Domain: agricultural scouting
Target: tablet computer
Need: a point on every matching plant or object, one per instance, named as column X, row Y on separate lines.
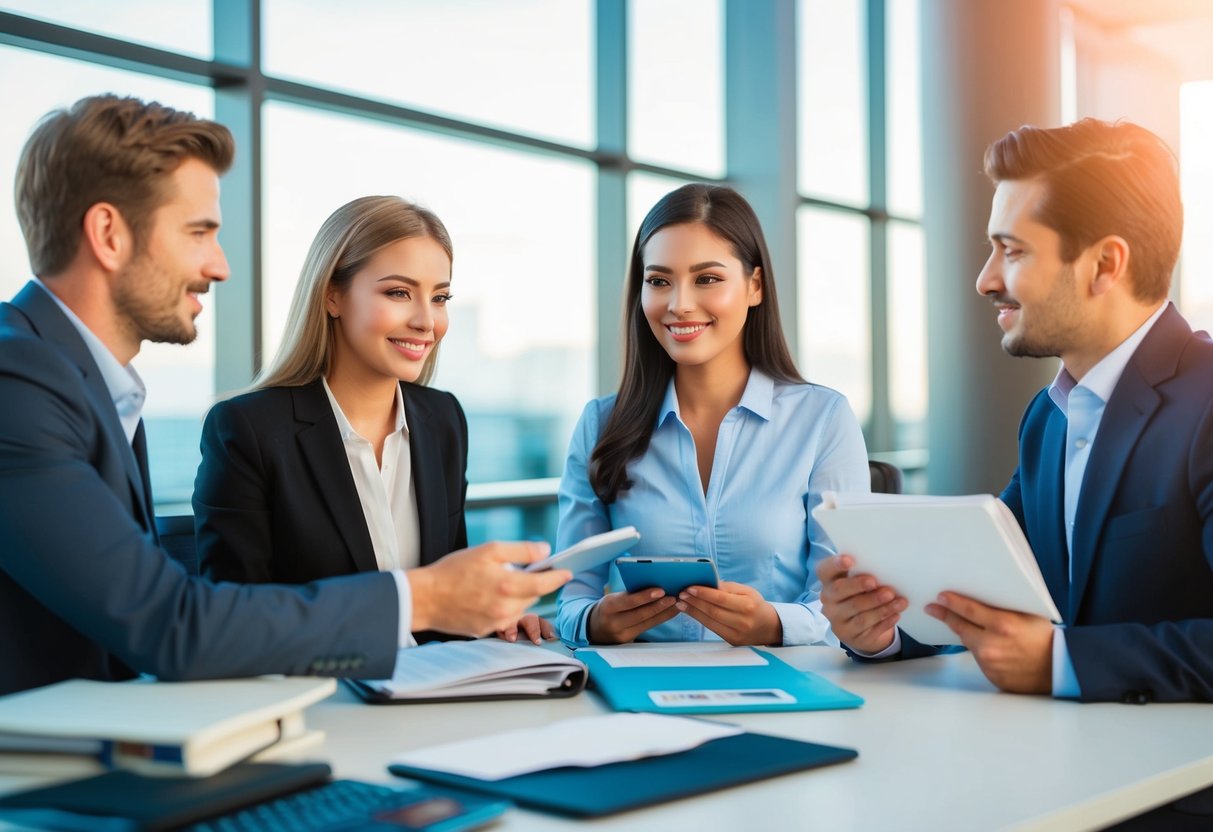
column 590, row 552
column 672, row 575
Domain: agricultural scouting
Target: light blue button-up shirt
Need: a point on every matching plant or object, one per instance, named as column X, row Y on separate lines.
column 1083, row 404
column 776, row 452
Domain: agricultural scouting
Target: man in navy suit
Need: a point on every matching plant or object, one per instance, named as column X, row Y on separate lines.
column 1114, row 488
column 119, row 204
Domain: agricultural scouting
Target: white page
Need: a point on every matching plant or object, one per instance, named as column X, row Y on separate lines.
column 586, row 741
column 441, row 667
column 682, row 656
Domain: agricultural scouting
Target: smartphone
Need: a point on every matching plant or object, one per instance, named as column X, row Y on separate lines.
column 672, row 575
column 589, row 552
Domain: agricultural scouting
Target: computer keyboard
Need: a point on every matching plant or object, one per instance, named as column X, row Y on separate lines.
column 350, row 804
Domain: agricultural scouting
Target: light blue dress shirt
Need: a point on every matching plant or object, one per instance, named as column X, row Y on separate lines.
column 776, row 452
column 1083, row 404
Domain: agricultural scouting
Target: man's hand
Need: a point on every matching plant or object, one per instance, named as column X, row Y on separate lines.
column 735, row 612
column 621, row 616
column 474, row 592
column 862, row 613
column 531, row 626
column 1013, row 649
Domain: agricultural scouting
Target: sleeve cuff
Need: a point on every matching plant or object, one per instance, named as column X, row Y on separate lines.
column 890, row 651
column 1065, row 680
column 804, row 624
column 404, row 635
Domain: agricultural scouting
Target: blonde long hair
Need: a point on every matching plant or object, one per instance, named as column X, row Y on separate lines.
column 347, row 240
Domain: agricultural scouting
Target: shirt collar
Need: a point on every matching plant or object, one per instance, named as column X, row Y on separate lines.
column 758, row 398
column 343, row 424
column 1101, row 379
column 125, row 387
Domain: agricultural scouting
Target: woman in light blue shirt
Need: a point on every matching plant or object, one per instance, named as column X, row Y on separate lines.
column 714, row 445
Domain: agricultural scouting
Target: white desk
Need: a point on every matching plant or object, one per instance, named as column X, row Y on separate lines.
column 939, row 749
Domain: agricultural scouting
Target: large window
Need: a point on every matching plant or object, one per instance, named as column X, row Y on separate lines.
column 861, row 274
column 541, row 131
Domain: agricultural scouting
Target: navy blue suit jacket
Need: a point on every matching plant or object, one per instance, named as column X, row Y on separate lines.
column 84, row 589
column 275, row 500
column 1139, row 610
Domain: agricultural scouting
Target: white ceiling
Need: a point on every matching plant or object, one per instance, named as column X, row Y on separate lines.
column 1180, row 29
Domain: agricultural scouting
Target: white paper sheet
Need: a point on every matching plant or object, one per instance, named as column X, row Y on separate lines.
column 682, row 656
column 586, row 741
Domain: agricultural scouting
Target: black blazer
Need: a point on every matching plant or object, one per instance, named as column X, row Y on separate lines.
column 274, row 499
column 84, row 589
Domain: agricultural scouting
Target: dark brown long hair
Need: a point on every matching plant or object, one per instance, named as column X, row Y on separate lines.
column 647, row 368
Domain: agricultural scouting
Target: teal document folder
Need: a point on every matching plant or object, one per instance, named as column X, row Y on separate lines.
column 771, row 686
column 615, row 787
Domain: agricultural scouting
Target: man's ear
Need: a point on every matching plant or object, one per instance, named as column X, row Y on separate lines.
column 1111, row 264
column 107, row 236
column 756, row 287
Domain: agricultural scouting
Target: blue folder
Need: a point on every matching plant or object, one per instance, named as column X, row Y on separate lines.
column 617, row 787
column 774, row 686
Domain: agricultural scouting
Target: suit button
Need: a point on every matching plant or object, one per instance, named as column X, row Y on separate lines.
column 1136, row 697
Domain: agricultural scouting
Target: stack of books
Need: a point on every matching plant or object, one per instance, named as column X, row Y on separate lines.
column 81, row 727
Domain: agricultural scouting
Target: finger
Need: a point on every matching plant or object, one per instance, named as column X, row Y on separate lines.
column 509, row 633
column 975, row 611
column 529, row 624
column 706, row 595
column 723, row 629
column 637, row 616
column 834, row 567
column 965, row 629
column 866, row 602
column 622, row 601
column 873, row 619
column 534, row 584
column 546, row 629
column 630, row 633
column 523, row 551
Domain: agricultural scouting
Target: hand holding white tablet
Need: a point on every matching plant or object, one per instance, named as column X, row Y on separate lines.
column 589, row 552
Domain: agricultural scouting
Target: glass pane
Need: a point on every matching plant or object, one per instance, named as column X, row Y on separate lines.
column 835, row 313
column 524, row 66
column 676, row 84
column 908, row 335
column 833, row 139
column 904, row 82
column 518, row 353
column 180, row 380
column 180, row 26
column 1196, row 174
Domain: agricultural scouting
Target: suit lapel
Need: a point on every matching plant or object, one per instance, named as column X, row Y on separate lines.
column 324, row 453
column 51, row 324
column 428, row 480
column 1132, row 404
column 1051, row 554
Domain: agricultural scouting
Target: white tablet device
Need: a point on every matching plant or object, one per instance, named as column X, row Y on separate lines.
column 590, row 552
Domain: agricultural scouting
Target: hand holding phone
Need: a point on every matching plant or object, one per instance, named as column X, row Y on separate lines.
column 589, row 552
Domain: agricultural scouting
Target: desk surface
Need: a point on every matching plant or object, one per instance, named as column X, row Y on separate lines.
column 939, row 749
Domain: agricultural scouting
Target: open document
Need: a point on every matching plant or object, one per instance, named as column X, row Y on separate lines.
column 922, row 546
column 476, row 670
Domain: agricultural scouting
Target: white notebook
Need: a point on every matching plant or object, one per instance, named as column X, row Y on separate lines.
column 922, row 546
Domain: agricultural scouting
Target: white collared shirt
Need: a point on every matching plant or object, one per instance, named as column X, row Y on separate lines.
column 125, row 387
column 389, row 501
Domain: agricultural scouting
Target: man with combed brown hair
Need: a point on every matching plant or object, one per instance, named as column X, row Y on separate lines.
column 119, row 203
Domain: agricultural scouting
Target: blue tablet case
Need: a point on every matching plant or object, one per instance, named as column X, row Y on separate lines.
column 616, row 787
column 630, row 688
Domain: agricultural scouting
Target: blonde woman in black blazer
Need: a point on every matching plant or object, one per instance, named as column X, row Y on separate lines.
column 287, row 490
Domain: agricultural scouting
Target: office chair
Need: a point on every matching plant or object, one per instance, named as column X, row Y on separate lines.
column 886, row 477
column 177, row 538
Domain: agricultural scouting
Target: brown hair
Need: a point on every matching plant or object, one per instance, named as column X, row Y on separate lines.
column 1101, row 179
column 647, row 367
column 105, row 149
column 345, row 242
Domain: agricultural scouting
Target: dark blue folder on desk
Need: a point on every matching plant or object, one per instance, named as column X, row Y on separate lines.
column 616, row 787
column 773, row 686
